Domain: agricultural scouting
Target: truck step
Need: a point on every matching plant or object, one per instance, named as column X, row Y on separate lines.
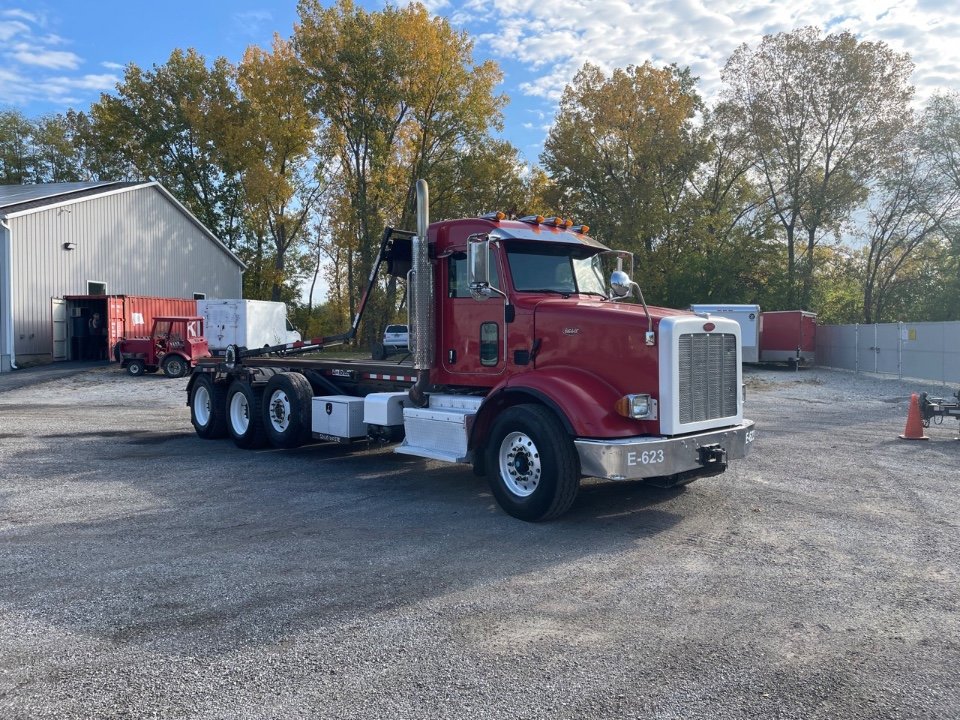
column 438, row 433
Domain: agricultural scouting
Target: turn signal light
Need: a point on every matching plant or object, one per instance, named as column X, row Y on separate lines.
column 634, row 406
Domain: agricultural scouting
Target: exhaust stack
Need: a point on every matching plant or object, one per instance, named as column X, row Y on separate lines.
column 421, row 300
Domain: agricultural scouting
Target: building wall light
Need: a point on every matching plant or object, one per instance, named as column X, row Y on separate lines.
column 69, row 245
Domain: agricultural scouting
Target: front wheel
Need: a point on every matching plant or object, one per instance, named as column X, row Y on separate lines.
column 174, row 366
column 136, row 367
column 532, row 465
column 244, row 416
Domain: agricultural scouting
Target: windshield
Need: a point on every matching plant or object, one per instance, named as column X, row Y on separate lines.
column 552, row 268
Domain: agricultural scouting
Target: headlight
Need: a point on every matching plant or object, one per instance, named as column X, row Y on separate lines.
column 640, row 405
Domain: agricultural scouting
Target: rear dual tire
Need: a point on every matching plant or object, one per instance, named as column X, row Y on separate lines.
column 245, row 415
column 287, row 400
column 208, row 408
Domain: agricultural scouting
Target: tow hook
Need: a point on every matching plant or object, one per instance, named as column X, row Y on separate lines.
column 712, row 456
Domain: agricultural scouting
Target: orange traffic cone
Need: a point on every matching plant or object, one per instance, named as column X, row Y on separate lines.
column 914, row 428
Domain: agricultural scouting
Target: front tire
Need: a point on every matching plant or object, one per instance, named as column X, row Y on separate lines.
column 531, row 464
column 245, row 415
column 286, row 410
column 136, row 367
column 208, row 408
column 174, row 366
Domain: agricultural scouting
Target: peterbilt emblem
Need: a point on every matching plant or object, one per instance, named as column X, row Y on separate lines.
column 709, row 327
column 571, row 331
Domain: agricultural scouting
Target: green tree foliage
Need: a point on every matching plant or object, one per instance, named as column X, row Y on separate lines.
column 909, row 208
column 822, row 114
column 939, row 142
column 166, row 124
column 16, row 133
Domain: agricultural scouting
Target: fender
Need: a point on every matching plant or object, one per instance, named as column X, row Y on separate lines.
column 583, row 402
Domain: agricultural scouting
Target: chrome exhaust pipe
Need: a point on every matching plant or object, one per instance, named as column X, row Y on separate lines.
column 421, row 300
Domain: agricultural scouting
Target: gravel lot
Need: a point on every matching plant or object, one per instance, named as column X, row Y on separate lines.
column 147, row 573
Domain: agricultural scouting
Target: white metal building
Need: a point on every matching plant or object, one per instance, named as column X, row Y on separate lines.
column 98, row 239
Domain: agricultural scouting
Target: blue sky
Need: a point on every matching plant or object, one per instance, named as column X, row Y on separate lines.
column 56, row 54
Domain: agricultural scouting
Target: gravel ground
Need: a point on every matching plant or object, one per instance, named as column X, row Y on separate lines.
column 147, row 573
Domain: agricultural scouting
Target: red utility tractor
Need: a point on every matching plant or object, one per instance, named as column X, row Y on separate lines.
column 175, row 344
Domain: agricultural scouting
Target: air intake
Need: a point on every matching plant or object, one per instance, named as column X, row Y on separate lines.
column 708, row 377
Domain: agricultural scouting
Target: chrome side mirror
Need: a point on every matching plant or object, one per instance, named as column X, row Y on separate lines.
column 620, row 283
column 478, row 266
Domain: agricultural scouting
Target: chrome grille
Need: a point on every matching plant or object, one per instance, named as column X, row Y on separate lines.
column 708, row 376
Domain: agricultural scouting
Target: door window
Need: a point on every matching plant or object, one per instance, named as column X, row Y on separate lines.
column 489, row 344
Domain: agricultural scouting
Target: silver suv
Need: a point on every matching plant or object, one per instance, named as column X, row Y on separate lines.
column 396, row 337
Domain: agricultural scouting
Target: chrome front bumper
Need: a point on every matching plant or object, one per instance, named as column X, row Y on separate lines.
column 647, row 457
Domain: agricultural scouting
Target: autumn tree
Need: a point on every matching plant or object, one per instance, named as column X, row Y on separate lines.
column 403, row 97
column 276, row 147
column 166, row 123
column 620, row 154
column 822, row 113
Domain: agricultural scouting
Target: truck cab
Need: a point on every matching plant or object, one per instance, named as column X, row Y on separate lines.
column 566, row 372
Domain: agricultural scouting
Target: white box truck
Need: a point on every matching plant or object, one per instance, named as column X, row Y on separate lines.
column 749, row 318
column 246, row 323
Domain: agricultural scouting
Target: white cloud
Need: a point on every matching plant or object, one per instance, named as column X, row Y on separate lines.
column 23, row 15
column 11, row 28
column 52, row 59
column 112, row 65
column 84, row 82
column 553, row 38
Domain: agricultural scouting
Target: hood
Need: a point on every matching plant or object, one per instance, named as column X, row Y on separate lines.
column 604, row 337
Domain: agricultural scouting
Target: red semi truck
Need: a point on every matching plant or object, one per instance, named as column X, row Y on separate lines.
column 524, row 363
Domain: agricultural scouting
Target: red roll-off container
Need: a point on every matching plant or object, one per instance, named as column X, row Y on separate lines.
column 788, row 336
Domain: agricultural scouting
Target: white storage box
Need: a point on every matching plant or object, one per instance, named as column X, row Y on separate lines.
column 384, row 409
column 338, row 418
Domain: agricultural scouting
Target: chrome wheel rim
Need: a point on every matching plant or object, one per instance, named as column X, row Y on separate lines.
column 239, row 413
column 279, row 411
column 520, row 466
column 202, row 409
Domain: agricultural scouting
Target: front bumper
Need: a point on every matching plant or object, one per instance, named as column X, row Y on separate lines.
column 647, row 457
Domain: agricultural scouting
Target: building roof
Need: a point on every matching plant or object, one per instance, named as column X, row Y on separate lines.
column 14, row 198
column 22, row 199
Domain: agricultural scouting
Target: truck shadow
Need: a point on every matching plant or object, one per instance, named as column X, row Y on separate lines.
column 201, row 552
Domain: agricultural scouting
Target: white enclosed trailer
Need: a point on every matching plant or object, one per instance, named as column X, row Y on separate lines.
column 245, row 323
column 748, row 316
